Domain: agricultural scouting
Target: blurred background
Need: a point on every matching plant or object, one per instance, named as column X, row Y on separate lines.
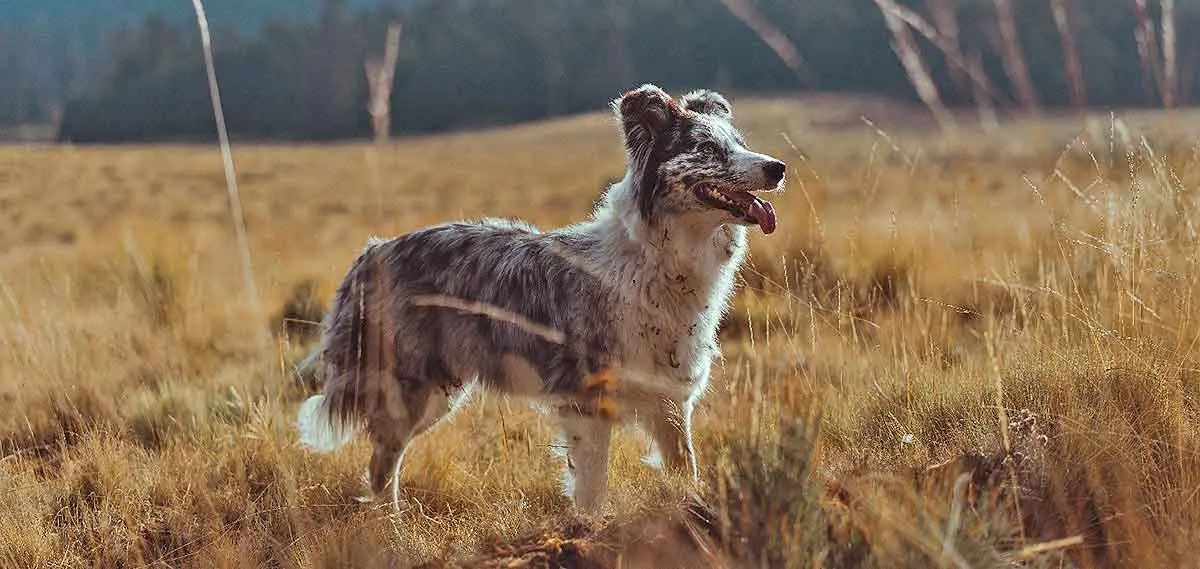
column 132, row 70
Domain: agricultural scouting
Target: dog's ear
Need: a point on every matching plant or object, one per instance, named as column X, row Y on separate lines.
column 646, row 114
column 709, row 103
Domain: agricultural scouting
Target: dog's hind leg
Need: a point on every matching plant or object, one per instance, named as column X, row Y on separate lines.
column 385, row 464
column 586, row 477
column 411, row 409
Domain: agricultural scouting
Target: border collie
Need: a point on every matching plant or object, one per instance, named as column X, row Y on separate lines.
column 611, row 320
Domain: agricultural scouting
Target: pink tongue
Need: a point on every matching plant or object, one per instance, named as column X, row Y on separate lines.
column 764, row 213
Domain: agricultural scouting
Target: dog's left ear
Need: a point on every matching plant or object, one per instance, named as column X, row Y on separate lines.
column 647, row 115
column 709, row 103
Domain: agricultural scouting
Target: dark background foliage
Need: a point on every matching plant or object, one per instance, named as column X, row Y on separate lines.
column 128, row 70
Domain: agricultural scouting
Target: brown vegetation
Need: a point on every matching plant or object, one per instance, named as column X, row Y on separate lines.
column 980, row 355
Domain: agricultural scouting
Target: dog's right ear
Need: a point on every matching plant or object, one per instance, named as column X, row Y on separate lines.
column 646, row 115
column 709, row 103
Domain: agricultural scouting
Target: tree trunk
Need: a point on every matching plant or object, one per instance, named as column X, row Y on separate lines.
column 983, row 101
column 1147, row 45
column 783, row 47
column 380, row 78
column 946, row 21
column 906, row 49
column 1170, row 65
column 1075, row 82
column 1014, row 59
column 952, row 53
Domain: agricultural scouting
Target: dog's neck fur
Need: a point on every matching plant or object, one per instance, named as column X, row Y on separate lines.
column 675, row 274
column 695, row 246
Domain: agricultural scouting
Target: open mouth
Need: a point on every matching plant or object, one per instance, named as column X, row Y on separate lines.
column 743, row 205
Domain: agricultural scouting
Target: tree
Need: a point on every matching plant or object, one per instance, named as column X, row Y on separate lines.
column 1170, row 58
column 1012, row 55
column 1075, row 81
column 480, row 62
column 783, row 47
column 380, row 74
column 906, row 49
column 946, row 22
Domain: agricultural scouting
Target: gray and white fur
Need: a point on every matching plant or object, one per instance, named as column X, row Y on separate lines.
column 607, row 321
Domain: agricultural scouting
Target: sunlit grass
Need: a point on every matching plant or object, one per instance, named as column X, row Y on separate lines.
column 912, row 285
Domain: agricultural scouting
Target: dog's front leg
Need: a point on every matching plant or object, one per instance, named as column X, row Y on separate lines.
column 586, row 476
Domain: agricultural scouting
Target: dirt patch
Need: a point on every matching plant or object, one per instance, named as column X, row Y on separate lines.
column 665, row 540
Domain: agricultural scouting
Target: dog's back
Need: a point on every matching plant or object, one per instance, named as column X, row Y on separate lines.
column 494, row 300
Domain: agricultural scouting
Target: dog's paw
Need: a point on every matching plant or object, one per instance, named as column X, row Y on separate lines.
column 397, row 504
column 593, row 513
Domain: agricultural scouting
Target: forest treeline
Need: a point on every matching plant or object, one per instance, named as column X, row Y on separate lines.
column 477, row 62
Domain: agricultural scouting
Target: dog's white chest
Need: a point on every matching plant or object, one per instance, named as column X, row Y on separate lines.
column 669, row 322
column 670, row 353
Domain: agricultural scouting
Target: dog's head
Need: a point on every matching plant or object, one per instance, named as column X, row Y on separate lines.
column 686, row 158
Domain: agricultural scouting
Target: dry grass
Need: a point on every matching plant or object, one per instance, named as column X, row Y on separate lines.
column 948, row 355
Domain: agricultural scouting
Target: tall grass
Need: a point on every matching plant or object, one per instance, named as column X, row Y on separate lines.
column 946, row 357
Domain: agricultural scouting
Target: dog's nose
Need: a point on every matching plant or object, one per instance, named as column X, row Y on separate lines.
column 774, row 170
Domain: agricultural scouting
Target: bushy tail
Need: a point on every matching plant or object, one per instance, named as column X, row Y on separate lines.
column 319, row 429
column 331, row 419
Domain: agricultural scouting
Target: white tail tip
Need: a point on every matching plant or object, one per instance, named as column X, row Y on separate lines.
column 318, row 430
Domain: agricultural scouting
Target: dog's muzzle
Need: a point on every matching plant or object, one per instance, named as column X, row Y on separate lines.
column 743, row 205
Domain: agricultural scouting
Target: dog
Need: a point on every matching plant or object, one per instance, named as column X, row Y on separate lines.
column 608, row 321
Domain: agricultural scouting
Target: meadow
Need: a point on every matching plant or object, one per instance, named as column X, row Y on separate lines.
column 976, row 351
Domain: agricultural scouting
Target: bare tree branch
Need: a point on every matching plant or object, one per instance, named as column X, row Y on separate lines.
column 235, row 200
column 951, row 51
column 380, row 77
column 771, row 35
column 906, row 49
column 1014, row 59
column 1075, row 83
column 983, row 103
column 946, row 21
column 1170, row 64
column 1147, row 45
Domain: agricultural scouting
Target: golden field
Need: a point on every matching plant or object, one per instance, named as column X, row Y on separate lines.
column 969, row 352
